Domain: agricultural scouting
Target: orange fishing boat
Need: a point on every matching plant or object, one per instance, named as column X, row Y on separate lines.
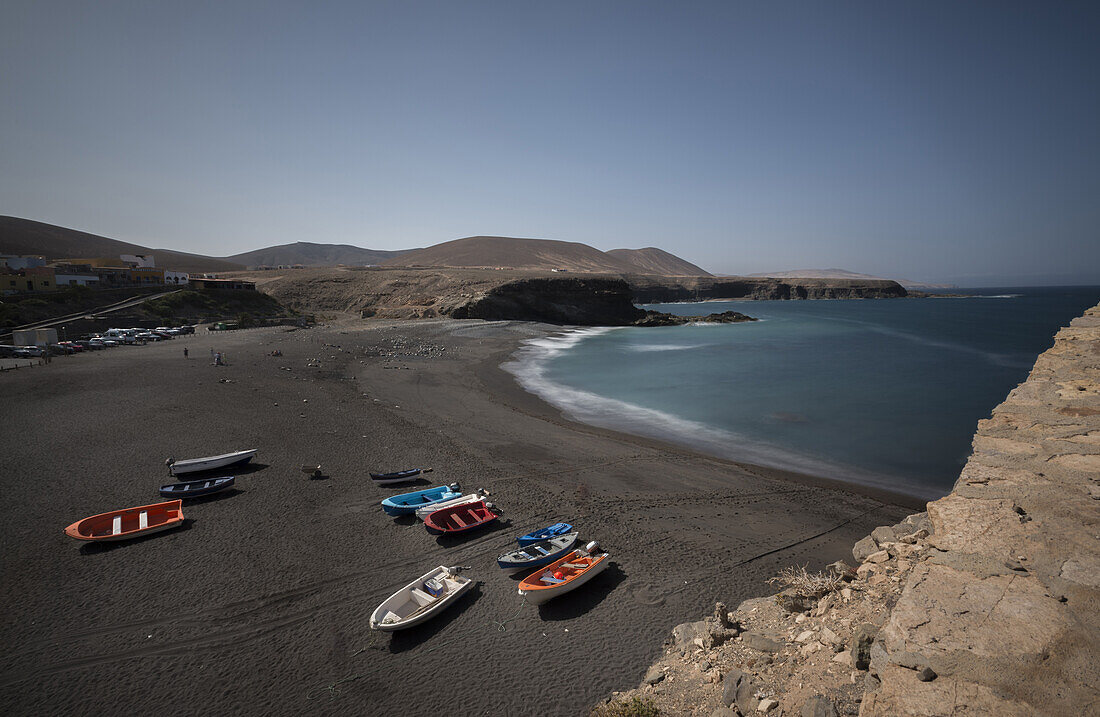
column 129, row 522
column 561, row 576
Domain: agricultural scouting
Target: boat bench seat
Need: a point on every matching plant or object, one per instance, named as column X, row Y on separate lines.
column 422, row 598
column 143, row 520
column 541, row 549
column 574, row 566
column 455, row 517
column 550, row 579
column 116, row 525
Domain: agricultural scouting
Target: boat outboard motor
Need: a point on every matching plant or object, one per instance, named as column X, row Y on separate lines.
column 592, row 547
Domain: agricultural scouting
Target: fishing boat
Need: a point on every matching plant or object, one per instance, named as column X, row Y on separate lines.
column 398, row 477
column 536, row 554
column 210, row 463
column 128, row 522
column 564, row 575
column 408, row 502
column 422, row 513
column 544, row 533
column 461, row 518
column 420, row 600
column 196, row 488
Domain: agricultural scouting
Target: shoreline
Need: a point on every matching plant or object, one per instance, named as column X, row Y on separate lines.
column 267, row 590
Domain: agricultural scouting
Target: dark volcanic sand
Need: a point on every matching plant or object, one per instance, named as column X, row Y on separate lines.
column 263, row 598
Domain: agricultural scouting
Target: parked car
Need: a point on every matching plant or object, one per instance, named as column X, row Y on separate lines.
column 149, row 336
column 88, row 345
column 29, row 351
column 186, row 329
column 7, row 350
column 59, row 350
column 163, row 334
column 73, row 345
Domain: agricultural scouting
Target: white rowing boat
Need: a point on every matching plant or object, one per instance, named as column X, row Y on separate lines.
column 427, row 510
column 194, row 465
column 420, row 600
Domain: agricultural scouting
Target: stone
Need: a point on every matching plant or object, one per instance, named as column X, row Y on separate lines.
column 846, row 593
column 871, row 682
column 840, row 569
column 818, row 706
column 926, row 675
column 864, row 548
column 862, row 640
column 829, row 636
column 740, row 690
column 878, row 557
column 791, row 601
column 767, row 705
column 804, row 636
column 722, row 615
column 759, row 642
column 653, row 676
column 723, row 712
column 843, row 658
column 865, row 570
column 883, row 534
column 704, row 665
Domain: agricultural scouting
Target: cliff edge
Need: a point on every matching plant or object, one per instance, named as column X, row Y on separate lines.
column 1005, row 607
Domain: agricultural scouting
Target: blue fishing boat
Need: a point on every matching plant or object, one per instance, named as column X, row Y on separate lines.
column 538, row 554
column 546, row 533
column 408, row 502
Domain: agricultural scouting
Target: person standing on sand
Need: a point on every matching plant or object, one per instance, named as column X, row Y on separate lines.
column 185, row 352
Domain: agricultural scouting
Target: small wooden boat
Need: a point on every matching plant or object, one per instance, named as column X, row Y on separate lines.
column 420, row 600
column 398, row 477
column 408, row 502
column 210, row 463
column 129, row 522
column 545, row 533
column 540, row 553
column 565, row 574
column 195, row 488
column 422, row 513
column 461, row 518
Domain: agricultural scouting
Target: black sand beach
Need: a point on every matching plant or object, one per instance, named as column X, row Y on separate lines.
column 262, row 600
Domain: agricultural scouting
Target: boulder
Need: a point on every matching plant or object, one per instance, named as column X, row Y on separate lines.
column 740, row 690
column 767, row 705
column 653, row 676
column 818, row 706
column 862, row 640
column 864, row 548
column 884, row 534
column 758, row 642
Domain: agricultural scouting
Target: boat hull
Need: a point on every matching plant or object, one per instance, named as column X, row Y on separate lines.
column 395, row 478
column 508, row 561
column 380, row 619
column 544, row 534
column 197, row 488
column 460, row 519
column 128, row 523
column 423, row 513
column 407, row 503
column 212, row 463
column 545, row 594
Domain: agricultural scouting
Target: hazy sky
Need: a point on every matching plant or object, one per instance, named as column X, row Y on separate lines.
column 927, row 140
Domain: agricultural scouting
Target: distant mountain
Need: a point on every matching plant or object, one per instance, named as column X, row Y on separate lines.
column 845, row 274
column 25, row 236
column 541, row 255
column 652, row 260
column 310, row 254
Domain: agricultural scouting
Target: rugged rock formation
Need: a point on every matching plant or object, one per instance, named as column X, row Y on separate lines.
column 584, row 301
column 653, row 290
column 985, row 605
column 1005, row 609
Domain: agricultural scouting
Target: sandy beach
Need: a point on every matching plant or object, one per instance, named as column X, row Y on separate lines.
column 260, row 603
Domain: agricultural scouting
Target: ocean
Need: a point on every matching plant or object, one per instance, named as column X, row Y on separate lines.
column 884, row 393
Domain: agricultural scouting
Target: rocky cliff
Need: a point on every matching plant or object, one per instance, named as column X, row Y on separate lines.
column 652, row 290
column 987, row 604
column 585, row 301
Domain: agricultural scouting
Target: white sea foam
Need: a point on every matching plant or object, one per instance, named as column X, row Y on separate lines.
column 664, row 347
column 529, row 366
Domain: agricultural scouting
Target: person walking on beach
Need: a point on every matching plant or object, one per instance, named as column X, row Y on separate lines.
column 185, row 352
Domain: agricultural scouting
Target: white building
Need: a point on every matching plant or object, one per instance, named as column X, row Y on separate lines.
column 74, row 279
column 175, row 278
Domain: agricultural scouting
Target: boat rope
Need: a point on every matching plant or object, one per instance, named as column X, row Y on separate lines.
column 333, row 689
column 502, row 625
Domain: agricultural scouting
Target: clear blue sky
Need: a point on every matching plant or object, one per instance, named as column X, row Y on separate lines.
column 930, row 140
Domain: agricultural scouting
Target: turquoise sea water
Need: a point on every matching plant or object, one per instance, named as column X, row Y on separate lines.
column 879, row 392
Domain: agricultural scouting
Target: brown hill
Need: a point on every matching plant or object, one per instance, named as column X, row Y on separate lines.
column 310, row 254
column 544, row 255
column 652, row 260
column 25, row 236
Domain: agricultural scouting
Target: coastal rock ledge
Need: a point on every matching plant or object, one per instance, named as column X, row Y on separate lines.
column 1005, row 607
column 987, row 604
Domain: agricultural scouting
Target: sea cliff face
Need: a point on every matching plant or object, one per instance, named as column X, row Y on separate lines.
column 582, row 301
column 988, row 603
column 653, row 290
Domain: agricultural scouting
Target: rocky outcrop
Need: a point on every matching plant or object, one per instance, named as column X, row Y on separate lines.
column 1002, row 614
column 653, row 290
column 582, row 301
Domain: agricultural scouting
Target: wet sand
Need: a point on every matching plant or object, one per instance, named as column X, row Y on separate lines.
column 261, row 602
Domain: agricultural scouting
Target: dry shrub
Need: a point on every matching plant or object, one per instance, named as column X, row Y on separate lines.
column 634, row 707
column 806, row 584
